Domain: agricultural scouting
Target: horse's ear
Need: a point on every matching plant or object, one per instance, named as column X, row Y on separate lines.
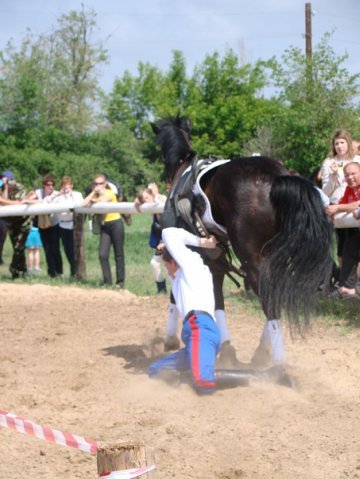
column 186, row 125
column 155, row 128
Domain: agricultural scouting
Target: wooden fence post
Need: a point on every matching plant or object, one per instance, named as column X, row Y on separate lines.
column 122, row 455
column 79, row 247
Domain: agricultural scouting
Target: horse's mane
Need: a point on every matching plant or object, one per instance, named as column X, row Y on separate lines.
column 173, row 137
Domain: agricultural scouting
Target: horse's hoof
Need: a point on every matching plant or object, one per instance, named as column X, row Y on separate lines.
column 285, row 380
column 172, row 343
column 227, row 356
column 278, row 375
column 261, row 358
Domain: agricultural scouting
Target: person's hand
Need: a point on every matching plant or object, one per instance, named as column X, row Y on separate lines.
column 26, row 201
column 334, row 167
column 356, row 213
column 160, row 246
column 210, row 242
column 154, row 188
column 331, row 210
column 137, row 204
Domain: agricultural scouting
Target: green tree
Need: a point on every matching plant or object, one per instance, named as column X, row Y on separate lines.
column 131, row 101
column 318, row 95
column 225, row 104
column 22, row 87
column 52, row 79
column 73, row 62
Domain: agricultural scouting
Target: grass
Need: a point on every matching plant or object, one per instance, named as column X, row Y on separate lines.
column 139, row 279
column 137, row 261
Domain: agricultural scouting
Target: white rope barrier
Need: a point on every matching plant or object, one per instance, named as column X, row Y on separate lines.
column 346, row 220
column 341, row 220
column 101, row 208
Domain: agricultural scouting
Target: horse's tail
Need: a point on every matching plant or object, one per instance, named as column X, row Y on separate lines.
column 298, row 260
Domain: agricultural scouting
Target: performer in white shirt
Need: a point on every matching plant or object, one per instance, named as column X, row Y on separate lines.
column 192, row 287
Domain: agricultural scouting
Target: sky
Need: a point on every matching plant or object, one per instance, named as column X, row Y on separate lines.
column 149, row 30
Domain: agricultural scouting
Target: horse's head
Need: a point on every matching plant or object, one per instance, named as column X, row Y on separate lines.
column 173, row 137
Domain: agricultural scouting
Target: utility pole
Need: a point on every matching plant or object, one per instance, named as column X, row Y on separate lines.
column 308, row 35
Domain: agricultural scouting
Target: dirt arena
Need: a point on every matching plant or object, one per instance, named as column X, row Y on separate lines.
column 75, row 360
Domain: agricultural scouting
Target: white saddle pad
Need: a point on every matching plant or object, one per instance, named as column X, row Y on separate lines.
column 211, row 225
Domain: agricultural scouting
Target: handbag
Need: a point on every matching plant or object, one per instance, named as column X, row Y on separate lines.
column 96, row 224
column 44, row 222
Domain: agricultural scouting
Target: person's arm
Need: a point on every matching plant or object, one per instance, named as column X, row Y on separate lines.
column 176, row 240
column 5, row 189
column 100, row 196
column 32, row 198
column 329, row 176
column 342, row 208
column 7, row 202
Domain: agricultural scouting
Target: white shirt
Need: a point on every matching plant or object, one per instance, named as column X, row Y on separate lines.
column 66, row 218
column 192, row 284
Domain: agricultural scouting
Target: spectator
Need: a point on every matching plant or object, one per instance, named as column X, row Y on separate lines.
column 111, row 232
column 33, row 245
column 13, row 193
column 349, row 203
column 49, row 227
column 66, row 223
column 151, row 195
column 333, row 181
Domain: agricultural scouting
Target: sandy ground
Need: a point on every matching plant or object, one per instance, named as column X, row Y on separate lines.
column 76, row 359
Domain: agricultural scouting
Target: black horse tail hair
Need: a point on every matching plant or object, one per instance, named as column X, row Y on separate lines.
column 297, row 262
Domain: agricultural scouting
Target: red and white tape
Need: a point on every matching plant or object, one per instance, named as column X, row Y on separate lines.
column 25, row 426
column 127, row 473
column 19, row 424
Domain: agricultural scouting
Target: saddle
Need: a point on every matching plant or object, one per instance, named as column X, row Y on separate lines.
column 187, row 206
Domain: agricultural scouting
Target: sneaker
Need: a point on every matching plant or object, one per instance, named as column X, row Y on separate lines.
column 37, row 270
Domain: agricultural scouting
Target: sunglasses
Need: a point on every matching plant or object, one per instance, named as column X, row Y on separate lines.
column 102, row 183
column 50, row 184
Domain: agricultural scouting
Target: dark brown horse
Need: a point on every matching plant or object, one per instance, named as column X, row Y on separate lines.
column 275, row 222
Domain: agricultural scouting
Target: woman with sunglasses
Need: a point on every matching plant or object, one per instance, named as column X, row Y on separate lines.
column 111, row 232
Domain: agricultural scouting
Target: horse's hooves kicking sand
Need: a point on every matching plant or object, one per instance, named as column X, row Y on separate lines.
column 228, row 378
column 172, row 343
column 261, row 357
column 227, row 356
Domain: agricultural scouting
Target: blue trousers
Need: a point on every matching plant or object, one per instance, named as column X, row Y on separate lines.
column 201, row 337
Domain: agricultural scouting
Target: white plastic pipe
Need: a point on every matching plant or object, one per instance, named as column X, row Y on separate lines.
column 47, row 208
column 346, row 220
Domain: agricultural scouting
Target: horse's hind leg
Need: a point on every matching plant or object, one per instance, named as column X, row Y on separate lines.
column 271, row 346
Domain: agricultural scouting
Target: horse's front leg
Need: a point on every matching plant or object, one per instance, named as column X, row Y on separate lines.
column 227, row 357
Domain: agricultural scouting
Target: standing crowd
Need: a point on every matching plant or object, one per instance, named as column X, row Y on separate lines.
column 50, row 231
